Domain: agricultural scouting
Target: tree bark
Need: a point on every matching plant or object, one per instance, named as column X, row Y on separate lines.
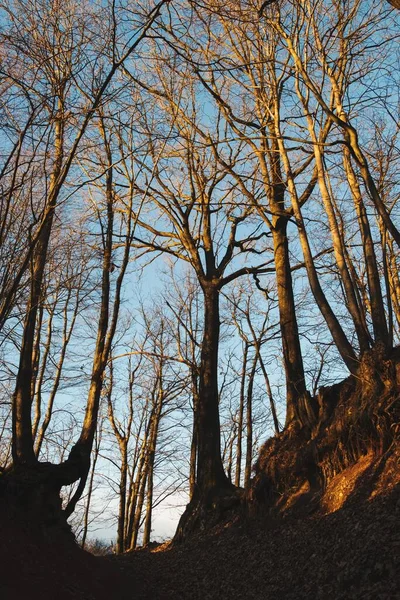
column 292, row 356
column 210, row 472
column 270, row 396
column 249, row 422
column 22, row 448
column 337, row 242
column 375, row 293
column 194, row 444
column 342, row 343
column 291, row 349
column 240, row 416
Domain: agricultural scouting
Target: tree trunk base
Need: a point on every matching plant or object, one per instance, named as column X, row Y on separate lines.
column 208, row 510
column 30, row 497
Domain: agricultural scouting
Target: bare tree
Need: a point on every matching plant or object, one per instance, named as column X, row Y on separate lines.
column 52, row 43
column 193, row 213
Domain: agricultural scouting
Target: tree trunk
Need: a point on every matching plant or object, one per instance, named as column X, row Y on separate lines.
column 375, row 293
column 270, row 396
column 342, row 343
column 122, row 499
column 149, row 499
column 292, row 356
column 193, row 446
column 156, row 418
column 212, row 484
column 338, row 245
column 22, row 449
column 149, row 511
column 39, row 377
column 138, row 511
column 210, row 472
column 240, row 416
column 394, row 280
column 96, row 451
column 134, row 492
column 291, row 349
column 249, row 423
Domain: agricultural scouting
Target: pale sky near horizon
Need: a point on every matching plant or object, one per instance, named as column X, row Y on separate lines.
column 165, row 521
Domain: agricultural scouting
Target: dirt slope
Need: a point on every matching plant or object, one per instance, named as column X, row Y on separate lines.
column 352, row 553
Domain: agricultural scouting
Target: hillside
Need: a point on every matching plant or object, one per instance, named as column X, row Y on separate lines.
column 320, row 521
column 322, row 517
column 351, row 553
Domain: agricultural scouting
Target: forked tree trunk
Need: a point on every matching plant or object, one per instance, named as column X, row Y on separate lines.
column 44, row 480
column 291, row 349
column 374, row 284
column 338, row 243
column 342, row 343
column 135, row 491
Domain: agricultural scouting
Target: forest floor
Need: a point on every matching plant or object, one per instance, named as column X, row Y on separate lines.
column 335, row 537
column 353, row 553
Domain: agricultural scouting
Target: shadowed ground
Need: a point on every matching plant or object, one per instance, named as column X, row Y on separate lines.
column 352, row 553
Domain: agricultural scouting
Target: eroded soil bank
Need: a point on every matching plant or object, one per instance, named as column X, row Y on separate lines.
column 353, row 553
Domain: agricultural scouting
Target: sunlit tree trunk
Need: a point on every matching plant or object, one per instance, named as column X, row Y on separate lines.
column 342, row 343
column 374, row 284
column 293, row 361
column 240, row 418
column 291, row 349
column 337, row 240
column 394, row 279
column 23, row 452
column 339, row 117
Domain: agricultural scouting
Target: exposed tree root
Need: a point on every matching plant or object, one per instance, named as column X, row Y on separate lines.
column 356, row 418
column 206, row 511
